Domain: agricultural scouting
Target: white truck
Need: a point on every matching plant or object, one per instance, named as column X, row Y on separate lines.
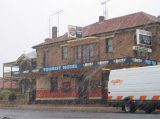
column 135, row 88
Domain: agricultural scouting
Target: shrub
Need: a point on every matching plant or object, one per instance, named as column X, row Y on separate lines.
column 1, row 97
column 20, row 96
column 12, row 96
column 5, row 93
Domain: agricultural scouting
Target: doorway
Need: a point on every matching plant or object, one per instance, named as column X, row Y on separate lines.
column 83, row 90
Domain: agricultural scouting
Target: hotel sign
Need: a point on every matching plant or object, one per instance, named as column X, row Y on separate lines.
column 62, row 67
column 100, row 63
column 143, row 37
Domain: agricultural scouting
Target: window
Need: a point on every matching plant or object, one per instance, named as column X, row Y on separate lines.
column 78, row 52
column 54, row 85
column 91, row 49
column 94, row 85
column 66, row 87
column 64, row 52
column 109, row 46
column 85, row 52
column 46, row 59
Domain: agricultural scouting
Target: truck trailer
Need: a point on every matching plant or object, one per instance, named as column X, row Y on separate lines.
column 135, row 88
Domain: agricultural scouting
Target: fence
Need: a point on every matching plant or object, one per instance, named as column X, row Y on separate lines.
column 8, row 84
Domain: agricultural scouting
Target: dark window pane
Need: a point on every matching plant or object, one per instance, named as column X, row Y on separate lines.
column 109, row 45
column 46, row 58
column 64, row 52
column 54, row 85
column 66, row 87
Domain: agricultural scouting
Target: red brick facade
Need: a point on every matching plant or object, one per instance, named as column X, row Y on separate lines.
column 94, row 46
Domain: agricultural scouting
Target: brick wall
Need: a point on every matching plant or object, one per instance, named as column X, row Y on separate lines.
column 123, row 41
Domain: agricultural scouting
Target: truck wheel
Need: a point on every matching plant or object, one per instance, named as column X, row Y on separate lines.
column 129, row 107
column 149, row 110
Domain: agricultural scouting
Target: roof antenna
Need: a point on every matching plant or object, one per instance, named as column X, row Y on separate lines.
column 105, row 9
column 55, row 13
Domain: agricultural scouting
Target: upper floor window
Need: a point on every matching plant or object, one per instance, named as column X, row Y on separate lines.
column 85, row 52
column 92, row 50
column 64, row 52
column 46, row 59
column 109, row 45
column 78, row 52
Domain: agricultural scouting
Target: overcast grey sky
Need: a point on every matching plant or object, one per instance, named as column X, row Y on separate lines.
column 25, row 23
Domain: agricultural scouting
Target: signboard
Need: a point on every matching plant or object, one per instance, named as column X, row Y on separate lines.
column 78, row 32
column 74, row 31
column 142, row 49
column 71, row 31
column 144, row 37
column 100, row 63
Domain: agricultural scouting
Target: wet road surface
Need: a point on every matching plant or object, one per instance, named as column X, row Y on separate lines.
column 39, row 114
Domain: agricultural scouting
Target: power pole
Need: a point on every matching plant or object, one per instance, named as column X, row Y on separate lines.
column 50, row 17
column 105, row 8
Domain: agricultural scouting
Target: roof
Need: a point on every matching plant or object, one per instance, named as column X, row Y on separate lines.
column 123, row 22
column 30, row 55
column 110, row 25
column 58, row 39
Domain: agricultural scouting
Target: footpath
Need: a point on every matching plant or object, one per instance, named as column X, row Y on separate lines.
column 57, row 107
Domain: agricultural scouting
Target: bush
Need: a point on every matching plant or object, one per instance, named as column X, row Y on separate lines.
column 20, row 96
column 12, row 96
column 1, row 97
column 5, row 94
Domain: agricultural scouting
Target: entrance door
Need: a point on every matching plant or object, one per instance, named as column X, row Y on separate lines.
column 105, row 79
column 82, row 90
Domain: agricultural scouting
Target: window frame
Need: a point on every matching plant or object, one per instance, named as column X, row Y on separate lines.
column 109, row 45
column 54, row 87
column 66, row 87
column 46, row 58
column 65, row 53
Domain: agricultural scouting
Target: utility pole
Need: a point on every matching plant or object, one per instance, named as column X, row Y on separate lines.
column 105, row 8
column 50, row 17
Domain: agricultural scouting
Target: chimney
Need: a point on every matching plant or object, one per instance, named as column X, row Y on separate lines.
column 101, row 18
column 54, row 32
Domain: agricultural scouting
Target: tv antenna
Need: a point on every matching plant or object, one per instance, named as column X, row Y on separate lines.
column 105, row 8
column 50, row 17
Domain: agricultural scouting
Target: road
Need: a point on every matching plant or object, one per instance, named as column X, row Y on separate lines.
column 39, row 114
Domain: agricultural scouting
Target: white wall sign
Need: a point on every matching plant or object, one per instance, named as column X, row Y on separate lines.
column 144, row 37
column 74, row 31
column 142, row 49
column 71, row 31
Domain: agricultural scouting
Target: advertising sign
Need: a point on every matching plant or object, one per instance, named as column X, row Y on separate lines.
column 144, row 37
column 74, row 31
column 71, row 31
column 142, row 49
